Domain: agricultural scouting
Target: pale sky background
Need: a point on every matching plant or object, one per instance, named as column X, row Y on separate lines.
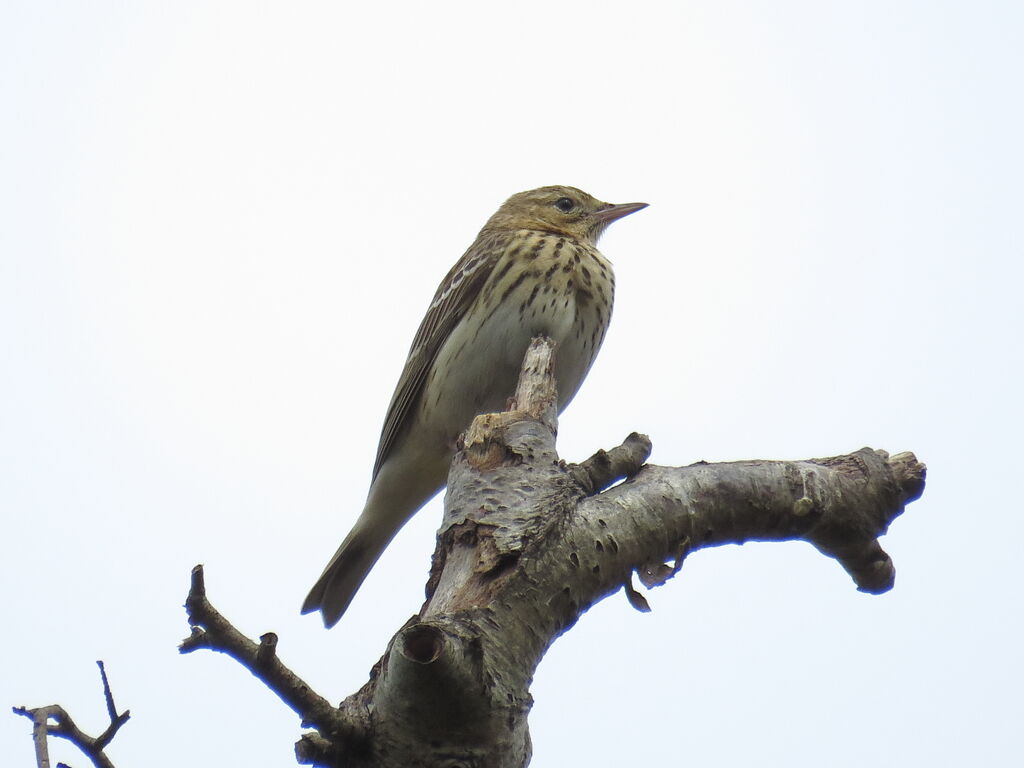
column 220, row 224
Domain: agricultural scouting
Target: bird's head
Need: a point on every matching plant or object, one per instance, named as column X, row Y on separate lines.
column 561, row 210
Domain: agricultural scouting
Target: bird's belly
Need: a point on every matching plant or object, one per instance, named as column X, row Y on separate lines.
column 477, row 366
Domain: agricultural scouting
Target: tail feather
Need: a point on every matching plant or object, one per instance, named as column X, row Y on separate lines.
column 341, row 579
column 405, row 482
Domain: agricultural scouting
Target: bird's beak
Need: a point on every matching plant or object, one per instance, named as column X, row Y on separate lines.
column 610, row 213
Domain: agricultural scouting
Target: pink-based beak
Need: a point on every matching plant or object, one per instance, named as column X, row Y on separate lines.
column 610, row 213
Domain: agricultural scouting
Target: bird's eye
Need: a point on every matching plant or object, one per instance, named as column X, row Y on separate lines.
column 564, row 204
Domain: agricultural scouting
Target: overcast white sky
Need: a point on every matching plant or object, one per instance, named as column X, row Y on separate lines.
column 220, row 224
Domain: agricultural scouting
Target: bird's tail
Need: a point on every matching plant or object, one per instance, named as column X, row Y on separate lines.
column 342, row 577
column 405, row 482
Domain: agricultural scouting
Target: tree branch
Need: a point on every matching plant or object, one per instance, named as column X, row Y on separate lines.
column 529, row 543
column 606, row 468
column 64, row 727
column 210, row 630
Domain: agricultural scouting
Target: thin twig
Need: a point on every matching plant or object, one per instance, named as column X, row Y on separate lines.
column 212, row 631
column 63, row 726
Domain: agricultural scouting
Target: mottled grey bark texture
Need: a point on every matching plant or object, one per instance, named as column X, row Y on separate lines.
column 529, row 543
column 526, row 547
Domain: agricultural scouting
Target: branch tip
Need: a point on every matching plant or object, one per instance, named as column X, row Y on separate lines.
column 605, row 468
column 638, row 601
column 198, row 588
column 314, row 749
column 910, row 474
column 267, row 650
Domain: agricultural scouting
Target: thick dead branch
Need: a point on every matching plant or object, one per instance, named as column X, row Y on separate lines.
column 605, row 468
column 529, row 543
column 64, row 727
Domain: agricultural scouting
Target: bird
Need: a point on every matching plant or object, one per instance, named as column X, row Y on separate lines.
column 534, row 269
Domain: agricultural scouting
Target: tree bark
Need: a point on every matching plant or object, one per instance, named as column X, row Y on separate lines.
column 529, row 543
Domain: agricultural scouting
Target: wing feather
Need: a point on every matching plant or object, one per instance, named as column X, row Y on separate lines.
column 452, row 300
